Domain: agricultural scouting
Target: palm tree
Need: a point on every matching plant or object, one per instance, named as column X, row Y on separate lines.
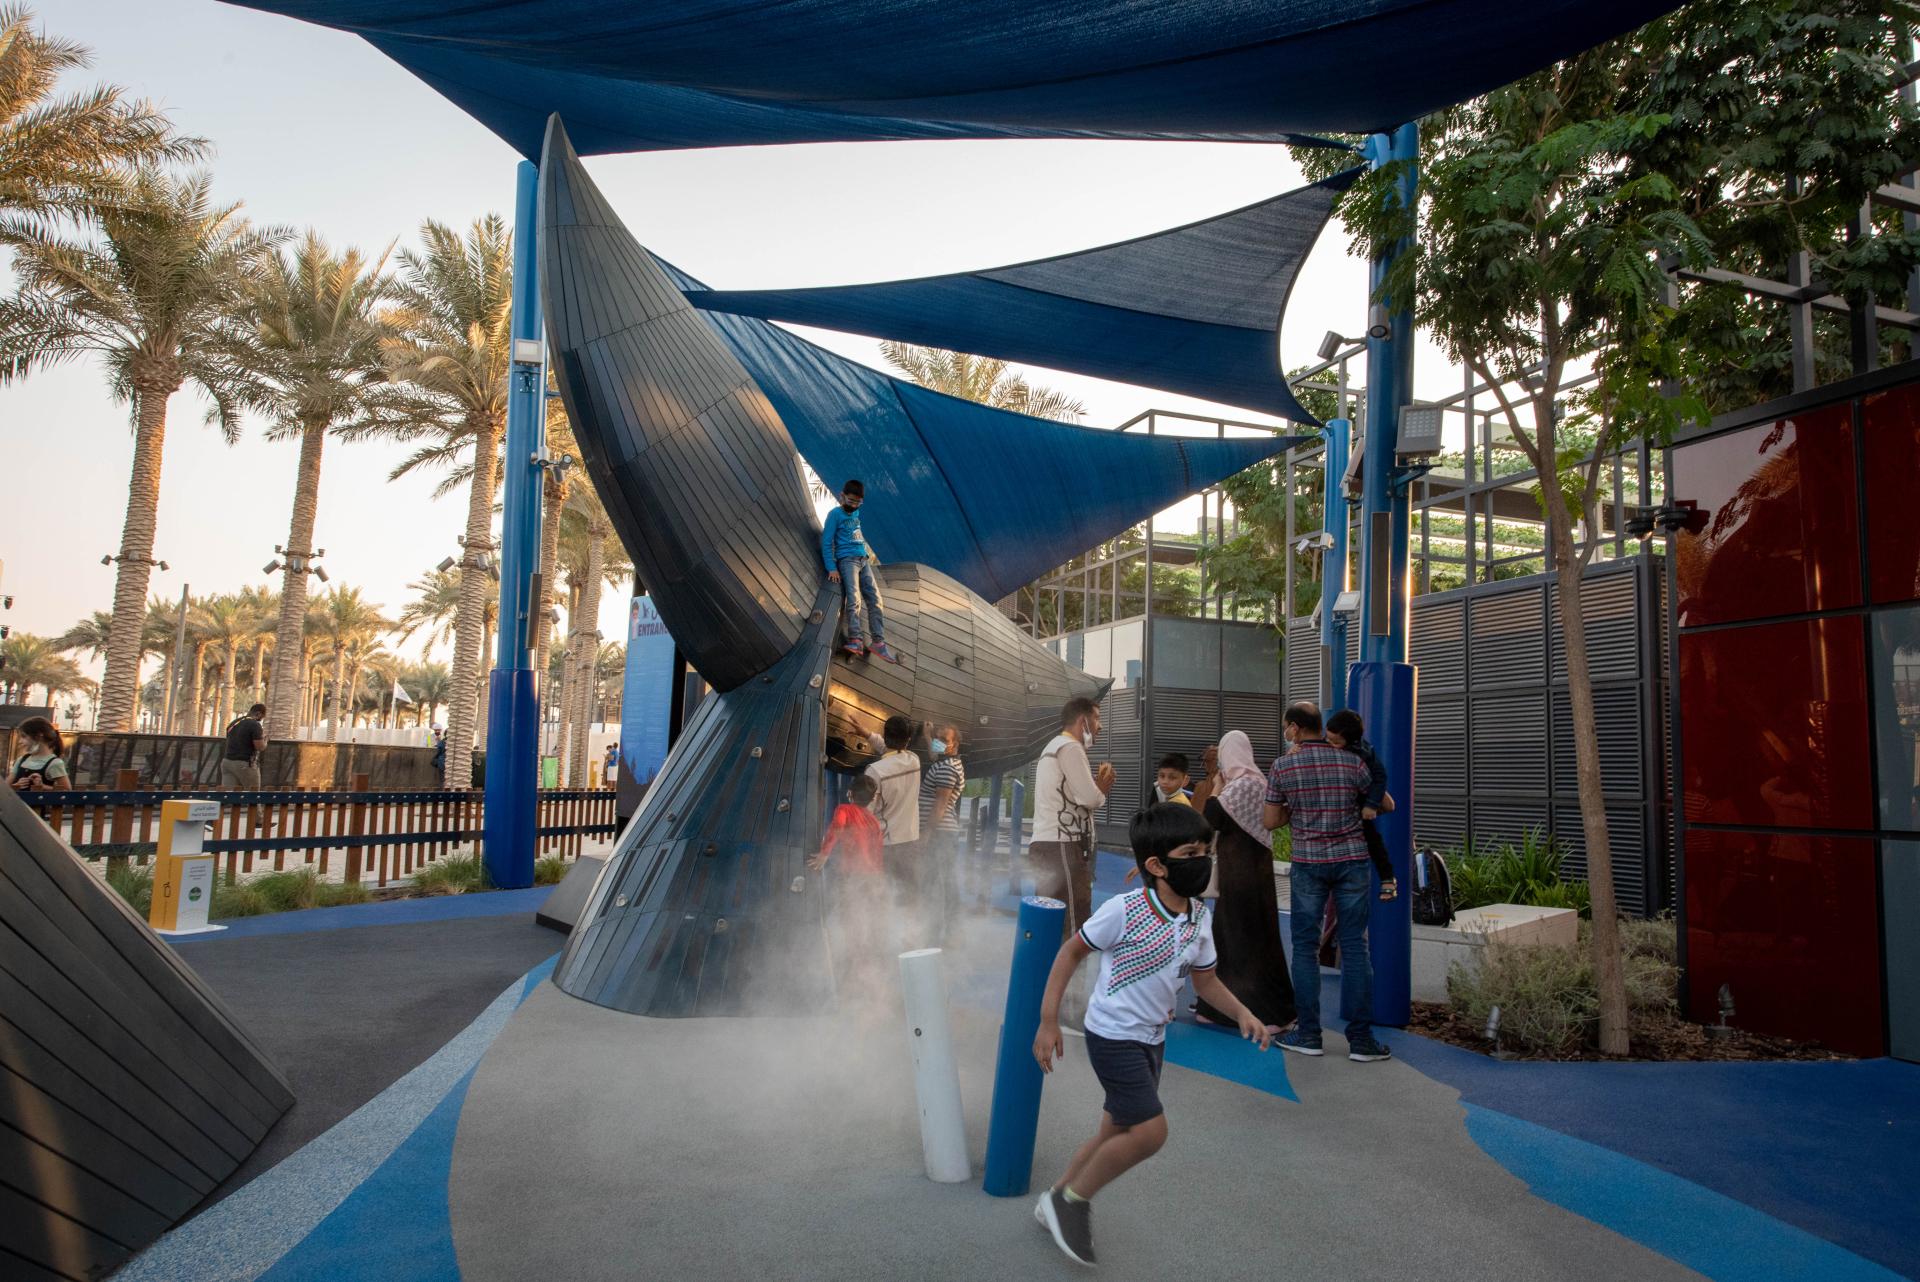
column 311, row 351
column 27, row 661
column 583, row 640
column 449, row 372
column 352, row 626
column 428, row 683
column 150, row 297
column 231, row 623
column 64, row 157
column 263, row 605
column 979, row 378
column 434, row 608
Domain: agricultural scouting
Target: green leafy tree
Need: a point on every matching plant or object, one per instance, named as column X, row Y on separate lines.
column 151, row 297
column 1546, row 213
column 28, row 662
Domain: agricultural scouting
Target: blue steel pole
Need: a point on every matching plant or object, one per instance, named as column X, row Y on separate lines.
column 513, row 707
column 1383, row 687
column 1333, row 561
column 1015, row 1117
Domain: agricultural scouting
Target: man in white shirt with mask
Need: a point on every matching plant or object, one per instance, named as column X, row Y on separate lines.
column 1066, row 793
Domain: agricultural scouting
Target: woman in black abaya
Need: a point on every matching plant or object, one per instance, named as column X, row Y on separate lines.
column 1246, row 922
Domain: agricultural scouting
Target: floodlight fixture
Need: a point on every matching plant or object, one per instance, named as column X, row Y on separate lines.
column 529, row 351
column 271, row 567
column 107, row 559
column 446, row 565
column 1378, row 326
column 1347, row 602
column 319, row 574
column 1330, row 345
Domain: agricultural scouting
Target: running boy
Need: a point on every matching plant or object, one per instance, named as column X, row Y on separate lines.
column 1346, row 730
column 860, row 892
column 1148, row 940
column 843, row 547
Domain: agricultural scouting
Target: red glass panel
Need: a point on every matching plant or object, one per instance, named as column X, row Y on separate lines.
column 1792, row 926
column 1780, row 532
column 1892, row 431
column 1773, row 725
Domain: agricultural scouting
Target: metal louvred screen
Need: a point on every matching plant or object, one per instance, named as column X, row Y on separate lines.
column 1494, row 749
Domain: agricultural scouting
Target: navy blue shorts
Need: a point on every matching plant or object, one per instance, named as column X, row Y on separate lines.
column 1130, row 1073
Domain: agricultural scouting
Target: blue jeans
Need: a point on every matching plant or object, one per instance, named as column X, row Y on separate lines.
column 1351, row 885
column 856, row 581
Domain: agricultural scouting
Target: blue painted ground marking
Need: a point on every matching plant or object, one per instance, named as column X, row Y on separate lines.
column 1228, row 1056
column 1706, row 1231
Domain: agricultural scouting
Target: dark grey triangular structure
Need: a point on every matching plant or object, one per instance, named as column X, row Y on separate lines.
column 127, row 1091
column 706, row 906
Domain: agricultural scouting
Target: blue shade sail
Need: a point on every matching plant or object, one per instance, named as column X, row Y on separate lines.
column 1194, row 310
column 643, row 75
column 993, row 498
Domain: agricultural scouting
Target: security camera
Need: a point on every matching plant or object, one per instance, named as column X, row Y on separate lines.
column 107, row 559
column 1318, row 542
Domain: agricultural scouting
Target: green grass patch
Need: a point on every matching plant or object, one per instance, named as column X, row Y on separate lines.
column 550, row 869
column 135, row 885
column 455, row 875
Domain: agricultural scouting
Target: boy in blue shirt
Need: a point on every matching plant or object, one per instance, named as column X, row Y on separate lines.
column 1148, row 940
column 844, row 550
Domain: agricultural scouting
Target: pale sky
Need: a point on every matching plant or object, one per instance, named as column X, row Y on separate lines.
column 313, row 128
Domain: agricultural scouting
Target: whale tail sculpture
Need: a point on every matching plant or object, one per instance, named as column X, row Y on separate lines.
column 706, row 906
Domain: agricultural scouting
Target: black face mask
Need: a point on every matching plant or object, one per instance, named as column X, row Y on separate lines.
column 1188, row 877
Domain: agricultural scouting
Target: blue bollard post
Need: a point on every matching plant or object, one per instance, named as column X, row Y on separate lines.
column 1015, row 1119
column 1386, row 697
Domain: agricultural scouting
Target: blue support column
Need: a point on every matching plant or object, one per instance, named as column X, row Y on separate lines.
column 1383, row 687
column 1333, row 562
column 1014, row 1120
column 513, row 706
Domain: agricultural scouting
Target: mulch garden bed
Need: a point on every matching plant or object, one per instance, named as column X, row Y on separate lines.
column 1669, row 1040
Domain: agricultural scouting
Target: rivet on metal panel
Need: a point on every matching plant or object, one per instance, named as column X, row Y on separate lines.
column 711, row 849
column 1032, row 687
column 814, row 683
column 756, row 754
column 815, row 617
column 619, row 901
column 720, row 925
column 784, row 805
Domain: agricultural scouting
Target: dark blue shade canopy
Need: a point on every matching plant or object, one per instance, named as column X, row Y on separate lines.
column 641, row 75
column 992, row 498
column 1194, row 310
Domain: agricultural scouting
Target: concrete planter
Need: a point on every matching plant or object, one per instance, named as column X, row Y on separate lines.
column 1436, row 948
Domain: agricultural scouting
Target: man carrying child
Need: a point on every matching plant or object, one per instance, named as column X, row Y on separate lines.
column 1149, row 940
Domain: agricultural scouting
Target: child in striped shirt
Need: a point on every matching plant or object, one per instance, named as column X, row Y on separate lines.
column 1148, row 941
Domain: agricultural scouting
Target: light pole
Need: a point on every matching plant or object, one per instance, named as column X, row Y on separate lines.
column 1383, row 686
column 513, row 702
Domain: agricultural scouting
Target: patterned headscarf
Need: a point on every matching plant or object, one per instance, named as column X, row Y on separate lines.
column 1243, row 794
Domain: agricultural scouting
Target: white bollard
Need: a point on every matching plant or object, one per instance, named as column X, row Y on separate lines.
column 936, row 1075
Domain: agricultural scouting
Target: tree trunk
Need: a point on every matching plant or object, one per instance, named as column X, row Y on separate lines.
column 588, row 657
column 1609, row 974
column 120, row 684
column 339, row 691
column 259, row 670
column 470, row 617
column 196, row 686
column 288, row 630
column 233, row 685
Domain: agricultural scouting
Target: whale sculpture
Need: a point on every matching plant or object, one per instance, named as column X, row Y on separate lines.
column 705, row 906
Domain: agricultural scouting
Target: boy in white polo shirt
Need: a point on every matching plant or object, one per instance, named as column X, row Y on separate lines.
column 1148, row 940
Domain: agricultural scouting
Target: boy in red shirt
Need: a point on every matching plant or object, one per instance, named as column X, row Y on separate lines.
column 860, row 887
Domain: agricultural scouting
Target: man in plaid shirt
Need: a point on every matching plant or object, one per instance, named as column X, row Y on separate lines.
column 1317, row 790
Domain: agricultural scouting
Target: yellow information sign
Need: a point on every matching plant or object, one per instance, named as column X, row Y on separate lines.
column 183, row 875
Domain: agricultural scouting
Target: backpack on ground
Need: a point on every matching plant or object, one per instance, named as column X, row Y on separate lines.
column 1432, row 889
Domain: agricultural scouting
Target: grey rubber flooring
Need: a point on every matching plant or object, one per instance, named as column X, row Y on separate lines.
column 345, row 1013
column 599, row 1145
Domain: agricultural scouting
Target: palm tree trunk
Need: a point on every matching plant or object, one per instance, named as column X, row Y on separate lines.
column 120, row 685
column 588, row 658
column 196, row 685
column 293, row 584
column 233, row 684
column 470, row 619
column 339, row 689
column 259, row 674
